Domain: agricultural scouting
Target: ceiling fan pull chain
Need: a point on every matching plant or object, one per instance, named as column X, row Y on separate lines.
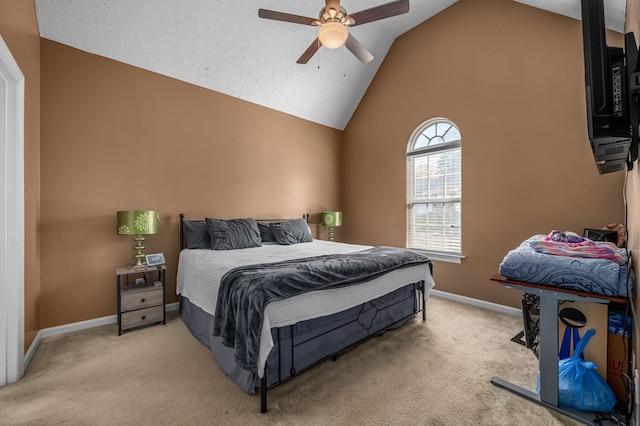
column 344, row 61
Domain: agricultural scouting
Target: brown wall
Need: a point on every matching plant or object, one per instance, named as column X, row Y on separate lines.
column 116, row 137
column 19, row 30
column 512, row 78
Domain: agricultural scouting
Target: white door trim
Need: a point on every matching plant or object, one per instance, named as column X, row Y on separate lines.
column 11, row 218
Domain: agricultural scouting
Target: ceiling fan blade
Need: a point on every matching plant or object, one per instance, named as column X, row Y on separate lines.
column 380, row 12
column 311, row 50
column 286, row 17
column 358, row 49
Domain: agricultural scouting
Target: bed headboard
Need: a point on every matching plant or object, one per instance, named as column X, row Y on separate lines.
column 183, row 220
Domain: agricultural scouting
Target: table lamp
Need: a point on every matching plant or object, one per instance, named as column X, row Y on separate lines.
column 138, row 223
column 331, row 219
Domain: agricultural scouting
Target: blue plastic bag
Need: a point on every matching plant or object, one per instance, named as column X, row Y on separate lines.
column 579, row 384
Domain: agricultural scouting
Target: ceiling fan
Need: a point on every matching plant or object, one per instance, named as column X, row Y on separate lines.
column 333, row 22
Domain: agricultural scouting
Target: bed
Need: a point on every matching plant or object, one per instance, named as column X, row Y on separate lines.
column 262, row 343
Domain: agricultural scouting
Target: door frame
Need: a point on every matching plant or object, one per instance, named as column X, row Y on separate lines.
column 11, row 218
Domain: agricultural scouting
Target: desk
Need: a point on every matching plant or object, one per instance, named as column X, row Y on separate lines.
column 548, row 347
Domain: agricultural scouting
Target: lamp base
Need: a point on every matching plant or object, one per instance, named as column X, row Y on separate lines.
column 139, row 240
column 331, row 230
column 139, row 265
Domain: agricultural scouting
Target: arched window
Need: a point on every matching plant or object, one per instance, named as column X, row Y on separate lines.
column 434, row 187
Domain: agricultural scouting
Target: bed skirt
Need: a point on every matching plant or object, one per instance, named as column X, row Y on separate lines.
column 313, row 340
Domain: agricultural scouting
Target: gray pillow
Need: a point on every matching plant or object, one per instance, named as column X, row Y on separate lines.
column 233, row 233
column 196, row 234
column 265, row 232
column 291, row 231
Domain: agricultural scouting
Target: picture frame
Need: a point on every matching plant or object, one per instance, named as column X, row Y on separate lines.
column 155, row 259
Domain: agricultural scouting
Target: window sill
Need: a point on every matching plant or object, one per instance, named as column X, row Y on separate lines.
column 442, row 257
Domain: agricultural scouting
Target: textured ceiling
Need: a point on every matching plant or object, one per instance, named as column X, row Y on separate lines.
column 222, row 45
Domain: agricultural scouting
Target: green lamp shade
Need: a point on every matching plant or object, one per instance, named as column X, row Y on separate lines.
column 138, row 222
column 331, row 218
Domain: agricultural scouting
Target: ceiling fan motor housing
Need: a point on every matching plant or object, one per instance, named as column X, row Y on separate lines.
column 333, row 15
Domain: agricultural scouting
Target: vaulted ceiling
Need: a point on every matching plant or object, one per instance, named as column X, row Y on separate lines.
column 224, row 46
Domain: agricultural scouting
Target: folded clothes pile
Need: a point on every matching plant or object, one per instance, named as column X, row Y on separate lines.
column 587, row 266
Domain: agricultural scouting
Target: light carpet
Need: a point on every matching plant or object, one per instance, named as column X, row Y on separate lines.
column 435, row 372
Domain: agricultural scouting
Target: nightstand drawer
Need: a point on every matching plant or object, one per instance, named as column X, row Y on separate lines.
column 142, row 317
column 141, row 299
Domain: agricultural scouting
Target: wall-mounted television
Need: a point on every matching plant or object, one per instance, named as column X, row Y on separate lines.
column 612, row 84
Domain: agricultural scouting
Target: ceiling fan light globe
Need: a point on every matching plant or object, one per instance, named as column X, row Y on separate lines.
column 333, row 35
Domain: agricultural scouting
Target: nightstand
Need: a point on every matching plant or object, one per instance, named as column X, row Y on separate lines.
column 141, row 297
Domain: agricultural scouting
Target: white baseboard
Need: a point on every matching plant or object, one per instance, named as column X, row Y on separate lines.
column 97, row 322
column 477, row 302
column 77, row 326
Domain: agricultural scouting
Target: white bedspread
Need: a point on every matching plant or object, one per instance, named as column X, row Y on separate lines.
column 200, row 272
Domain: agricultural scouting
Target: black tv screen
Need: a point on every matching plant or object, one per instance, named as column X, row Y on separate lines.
column 614, row 141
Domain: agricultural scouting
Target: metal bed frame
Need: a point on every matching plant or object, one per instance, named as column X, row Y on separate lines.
column 281, row 334
column 418, row 307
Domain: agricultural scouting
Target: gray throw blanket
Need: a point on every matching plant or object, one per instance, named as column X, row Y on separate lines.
column 245, row 291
